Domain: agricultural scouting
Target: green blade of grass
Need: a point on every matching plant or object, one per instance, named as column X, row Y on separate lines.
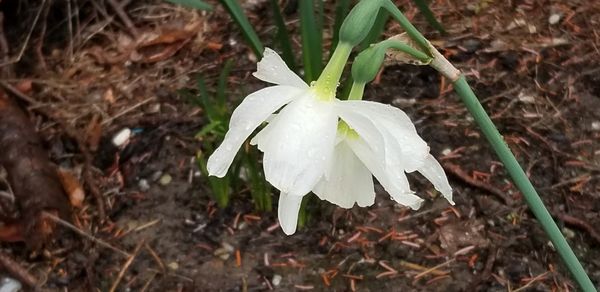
column 283, row 37
column 195, row 4
column 429, row 16
column 312, row 42
column 236, row 12
column 222, row 86
column 206, row 100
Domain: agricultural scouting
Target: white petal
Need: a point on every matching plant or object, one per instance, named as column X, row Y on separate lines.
column 273, row 69
column 253, row 110
column 364, row 127
column 298, row 144
column 347, row 180
column 396, row 186
column 393, row 124
column 433, row 171
column 287, row 211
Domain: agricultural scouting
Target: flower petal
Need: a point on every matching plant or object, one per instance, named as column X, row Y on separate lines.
column 287, row 211
column 433, row 171
column 364, row 127
column 253, row 110
column 298, row 144
column 347, row 180
column 393, row 124
column 397, row 186
column 273, row 69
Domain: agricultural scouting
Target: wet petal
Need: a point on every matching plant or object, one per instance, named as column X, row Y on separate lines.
column 298, row 145
column 364, row 127
column 396, row 185
column 287, row 211
column 347, row 180
column 433, row 171
column 253, row 110
column 273, row 69
column 397, row 130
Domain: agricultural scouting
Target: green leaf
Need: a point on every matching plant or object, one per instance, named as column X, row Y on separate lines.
column 219, row 186
column 283, row 37
column 195, row 4
column 206, row 101
column 209, row 129
column 312, row 39
column 237, row 13
column 222, row 85
column 429, row 16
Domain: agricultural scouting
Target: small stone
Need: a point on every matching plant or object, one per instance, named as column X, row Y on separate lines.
column 596, row 125
column 173, row 266
column 165, row 179
column 228, row 247
column 143, row 185
column 155, row 176
column 554, row 19
column 222, row 253
column 276, row 280
column 446, row 151
column 10, row 285
column 568, row 233
column 121, row 137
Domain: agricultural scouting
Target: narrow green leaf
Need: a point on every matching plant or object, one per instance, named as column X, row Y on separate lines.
column 342, row 8
column 237, row 13
column 209, row 129
column 195, row 4
column 429, row 16
column 283, row 37
column 222, row 86
column 312, row 40
column 206, row 100
column 219, row 186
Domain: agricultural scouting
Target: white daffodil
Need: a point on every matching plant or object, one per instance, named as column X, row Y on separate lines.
column 305, row 151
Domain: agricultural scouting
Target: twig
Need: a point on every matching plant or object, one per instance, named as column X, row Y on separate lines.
column 40, row 43
column 16, row 270
column 459, row 173
column 86, row 235
column 571, row 220
column 118, row 7
column 22, row 50
column 125, row 266
column 431, row 270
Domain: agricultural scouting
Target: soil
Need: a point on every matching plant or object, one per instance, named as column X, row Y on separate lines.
column 539, row 81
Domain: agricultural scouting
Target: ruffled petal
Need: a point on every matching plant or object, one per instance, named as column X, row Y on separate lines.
column 364, row 127
column 253, row 110
column 298, row 144
column 433, row 171
column 347, row 180
column 287, row 211
column 396, row 185
column 397, row 130
column 273, row 69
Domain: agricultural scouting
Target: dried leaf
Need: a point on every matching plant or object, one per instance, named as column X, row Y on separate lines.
column 394, row 57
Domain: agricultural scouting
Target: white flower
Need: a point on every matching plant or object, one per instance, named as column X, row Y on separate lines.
column 304, row 151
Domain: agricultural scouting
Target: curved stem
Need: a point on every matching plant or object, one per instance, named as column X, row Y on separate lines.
column 357, row 91
column 522, row 182
column 329, row 80
column 410, row 29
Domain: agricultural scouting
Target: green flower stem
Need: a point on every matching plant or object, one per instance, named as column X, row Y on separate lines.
column 410, row 29
column 405, row 48
column 522, row 182
column 328, row 82
column 357, row 91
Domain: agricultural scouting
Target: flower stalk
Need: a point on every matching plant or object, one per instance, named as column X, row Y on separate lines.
column 516, row 172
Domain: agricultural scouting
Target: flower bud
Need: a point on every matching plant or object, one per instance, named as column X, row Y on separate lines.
column 359, row 21
column 367, row 64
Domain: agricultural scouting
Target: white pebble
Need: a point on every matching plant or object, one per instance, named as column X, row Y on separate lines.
column 121, row 137
column 143, row 185
column 596, row 126
column 10, row 285
column 554, row 19
column 276, row 280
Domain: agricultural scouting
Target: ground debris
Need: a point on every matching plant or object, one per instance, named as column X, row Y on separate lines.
column 32, row 177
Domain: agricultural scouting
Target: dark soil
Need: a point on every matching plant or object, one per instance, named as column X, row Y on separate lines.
column 539, row 82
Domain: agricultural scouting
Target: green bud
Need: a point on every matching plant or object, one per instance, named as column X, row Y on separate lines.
column 367, row 64
column 359, row 21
